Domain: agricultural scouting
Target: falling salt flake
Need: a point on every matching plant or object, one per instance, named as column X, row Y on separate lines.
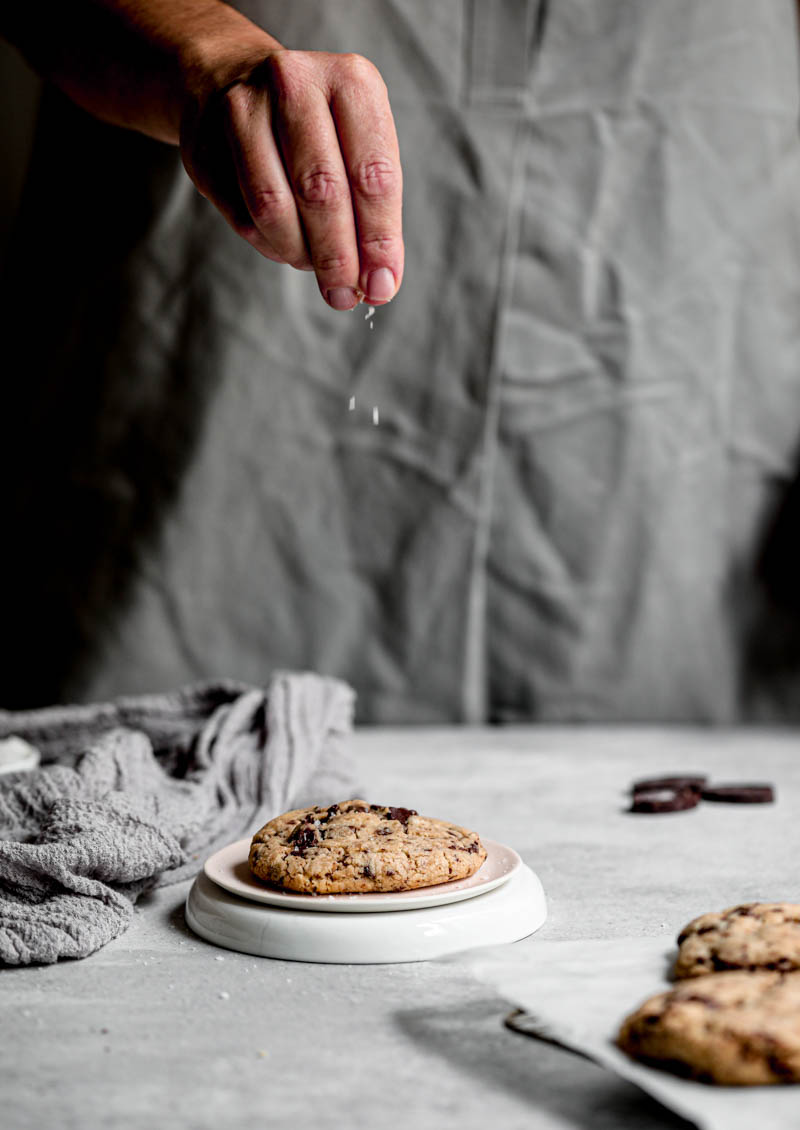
column 369, row 314
column 352, row 405
column 223, row 996
column 375, row 416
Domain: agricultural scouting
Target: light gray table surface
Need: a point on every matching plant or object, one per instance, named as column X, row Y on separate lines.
column 161, row 1029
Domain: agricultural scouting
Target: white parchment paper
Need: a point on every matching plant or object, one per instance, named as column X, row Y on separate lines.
column 578, row 992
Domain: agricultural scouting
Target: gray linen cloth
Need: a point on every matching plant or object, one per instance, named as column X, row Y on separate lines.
column 136, row 793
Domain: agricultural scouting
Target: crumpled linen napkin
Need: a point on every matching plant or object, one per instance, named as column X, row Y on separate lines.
column 139, row 792
column 577, row 993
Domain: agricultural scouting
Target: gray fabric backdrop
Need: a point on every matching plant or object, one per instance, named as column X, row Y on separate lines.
column 589, row 387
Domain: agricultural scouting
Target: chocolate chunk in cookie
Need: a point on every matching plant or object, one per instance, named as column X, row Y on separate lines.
column 756, row 935
column 354, row 847
column 401, row 814
column 738, row 1029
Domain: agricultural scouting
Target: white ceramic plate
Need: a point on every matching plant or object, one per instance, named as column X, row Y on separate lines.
column 229, row 869
column 506, row 914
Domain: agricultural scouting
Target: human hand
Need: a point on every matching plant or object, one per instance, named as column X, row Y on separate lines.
column 300, row 156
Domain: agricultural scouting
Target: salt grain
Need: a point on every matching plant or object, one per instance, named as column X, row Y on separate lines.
column 375, row 416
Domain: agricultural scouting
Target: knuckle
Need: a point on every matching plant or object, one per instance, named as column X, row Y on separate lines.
column 375, row 176
column 358, row 69
column 288, row 73
column 320, row 187
column 328, row 264
column 381, row 245
column 268, row 205
column 235, row 98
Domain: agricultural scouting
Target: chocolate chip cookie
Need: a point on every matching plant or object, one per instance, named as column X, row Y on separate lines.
column 756, row 935
column 355, row 847
column 732, row 1028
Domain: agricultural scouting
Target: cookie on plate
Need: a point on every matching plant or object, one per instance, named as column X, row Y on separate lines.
column 741, row 1029
column 355, row 847
column 756, row 935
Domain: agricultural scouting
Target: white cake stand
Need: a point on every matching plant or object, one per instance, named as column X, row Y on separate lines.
column 364, row 929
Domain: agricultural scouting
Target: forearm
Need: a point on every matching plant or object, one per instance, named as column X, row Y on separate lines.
column 136, row 63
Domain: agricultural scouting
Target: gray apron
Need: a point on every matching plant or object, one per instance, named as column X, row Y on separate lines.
column 588, row 388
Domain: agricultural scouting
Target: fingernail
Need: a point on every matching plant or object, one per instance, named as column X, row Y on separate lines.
column 381, row 285
column 342, row 297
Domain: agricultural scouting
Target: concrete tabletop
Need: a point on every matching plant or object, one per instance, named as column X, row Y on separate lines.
column 160, row 1028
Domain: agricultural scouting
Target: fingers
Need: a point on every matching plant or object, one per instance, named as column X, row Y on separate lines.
column 339, row 145
column 273, row 225
column 368, row 140
column 315, row 167
column 206, row 154
column 302, row 160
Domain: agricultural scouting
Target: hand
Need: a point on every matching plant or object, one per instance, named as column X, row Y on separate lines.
column 300, row 156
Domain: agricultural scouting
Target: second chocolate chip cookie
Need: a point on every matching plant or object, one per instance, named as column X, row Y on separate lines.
column 753, row 936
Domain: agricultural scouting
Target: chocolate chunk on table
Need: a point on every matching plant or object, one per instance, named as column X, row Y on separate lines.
column 739, row 794
column 669, row 799
column 675, row 781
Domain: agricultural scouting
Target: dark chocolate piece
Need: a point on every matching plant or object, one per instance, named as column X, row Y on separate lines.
column 401, row 814
column 303, row 838
column 739, row 794
column 676, row 781
column 664, row 800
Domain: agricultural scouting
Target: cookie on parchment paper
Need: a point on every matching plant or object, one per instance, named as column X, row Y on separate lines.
column 355, row 848
column 740, row 1029
column 753, row 936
